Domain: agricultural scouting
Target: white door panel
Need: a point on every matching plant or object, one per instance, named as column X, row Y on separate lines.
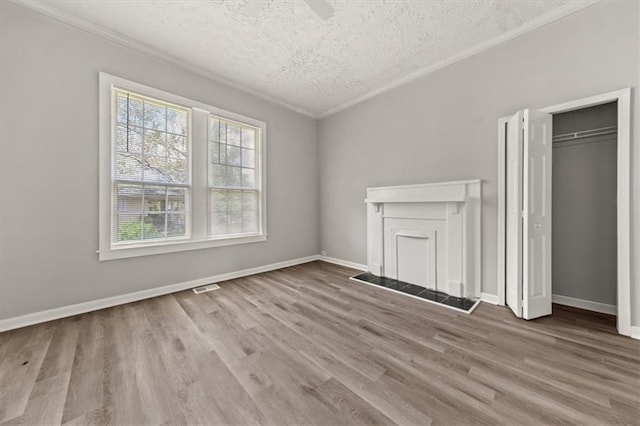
column 528, row 204
column 513, row 244
column 536, row 229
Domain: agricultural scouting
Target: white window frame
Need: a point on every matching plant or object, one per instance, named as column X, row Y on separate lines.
column 198, row 206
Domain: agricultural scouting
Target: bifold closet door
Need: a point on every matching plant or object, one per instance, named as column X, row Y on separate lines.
column 528, row 245
column 513, row 243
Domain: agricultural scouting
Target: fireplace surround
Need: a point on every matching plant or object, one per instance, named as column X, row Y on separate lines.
column 427, row 235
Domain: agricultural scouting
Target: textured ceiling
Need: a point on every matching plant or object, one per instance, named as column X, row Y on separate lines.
column 284, row 50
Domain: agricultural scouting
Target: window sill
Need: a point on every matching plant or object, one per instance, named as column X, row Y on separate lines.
column 123, row 252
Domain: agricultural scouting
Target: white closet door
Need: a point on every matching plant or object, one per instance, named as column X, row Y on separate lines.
column 514, row 145
column 536, row 227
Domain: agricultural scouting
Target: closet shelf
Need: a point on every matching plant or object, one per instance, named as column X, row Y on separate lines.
column 568, row 137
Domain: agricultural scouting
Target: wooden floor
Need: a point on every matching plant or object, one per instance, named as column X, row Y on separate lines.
column 305, row 345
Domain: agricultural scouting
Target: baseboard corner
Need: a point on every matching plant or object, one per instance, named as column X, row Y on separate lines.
column 489, row 298
column 342, row 262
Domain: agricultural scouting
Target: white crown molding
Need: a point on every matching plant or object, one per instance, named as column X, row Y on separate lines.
column 46, row 10
column 556, row 14
column 94, row 305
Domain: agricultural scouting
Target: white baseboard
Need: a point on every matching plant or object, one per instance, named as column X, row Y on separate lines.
column 489, row 298
column 585, row 304
column 341, row 262
column 635, row 332
column 81, row 308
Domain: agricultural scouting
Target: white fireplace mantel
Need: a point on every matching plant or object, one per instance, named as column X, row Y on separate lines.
column 426, row 192
column 447, row 214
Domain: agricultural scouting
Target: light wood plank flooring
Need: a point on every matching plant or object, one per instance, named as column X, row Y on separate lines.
column 305, row 345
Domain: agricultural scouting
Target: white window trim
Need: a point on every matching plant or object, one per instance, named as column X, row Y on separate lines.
column 199, row 201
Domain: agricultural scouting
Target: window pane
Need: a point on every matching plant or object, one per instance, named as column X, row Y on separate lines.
column 129, row 227
column 233, row 155
column 218, row 200
column 233, row 177
column 129, row 198
column 218, row 211
column 121, row 108
column 155, row 170
column 223, row 132
column 248, row 178
column 233, row 134
column 158, row 156
column 154, row 198
column 233, row 212
column 154, row 143
column 218, row 223
column 176, row 225
column 249, row 221
column 214, row 153
column 214, row 129
column 250, row 200
column 135, row 112
column 128, row 140
column 164, row 212
column 217, row 174
column 234, row 201
column 248, row 158
column 155, row 117
column 234, row 209
column 176, row 121
column 248, row 138
column 128, row 166
column 176, row 200
column 154, row 225
column 224, row 176
column 177, row 145
column 176, row 170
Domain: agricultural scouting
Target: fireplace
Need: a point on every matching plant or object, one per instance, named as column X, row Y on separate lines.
column 427, row 236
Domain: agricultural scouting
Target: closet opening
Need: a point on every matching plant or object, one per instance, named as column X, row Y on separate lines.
column 564, row 209
column 584, row 209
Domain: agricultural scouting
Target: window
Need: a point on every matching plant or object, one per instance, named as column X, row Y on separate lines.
column 175, row 174
column 151, row 182
column 233, row 190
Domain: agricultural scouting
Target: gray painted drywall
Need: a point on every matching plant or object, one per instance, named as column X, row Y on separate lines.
column 49, row 160
column 585, row 207
column 443, row 126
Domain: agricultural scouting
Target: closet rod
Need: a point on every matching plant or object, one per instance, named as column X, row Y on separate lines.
column 585, row 134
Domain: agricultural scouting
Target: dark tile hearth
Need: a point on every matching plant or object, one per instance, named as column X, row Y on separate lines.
column 462, row 303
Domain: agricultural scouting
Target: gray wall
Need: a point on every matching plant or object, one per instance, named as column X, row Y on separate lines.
column 49, row 161
column 585, row 207
column 443, row 126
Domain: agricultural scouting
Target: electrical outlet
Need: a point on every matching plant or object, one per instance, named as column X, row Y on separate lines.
column 323, row 253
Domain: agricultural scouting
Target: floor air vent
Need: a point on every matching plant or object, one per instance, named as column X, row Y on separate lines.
column 206, row 288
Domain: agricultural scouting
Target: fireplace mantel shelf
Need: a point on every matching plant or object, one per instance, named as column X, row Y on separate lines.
column 440, row 192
